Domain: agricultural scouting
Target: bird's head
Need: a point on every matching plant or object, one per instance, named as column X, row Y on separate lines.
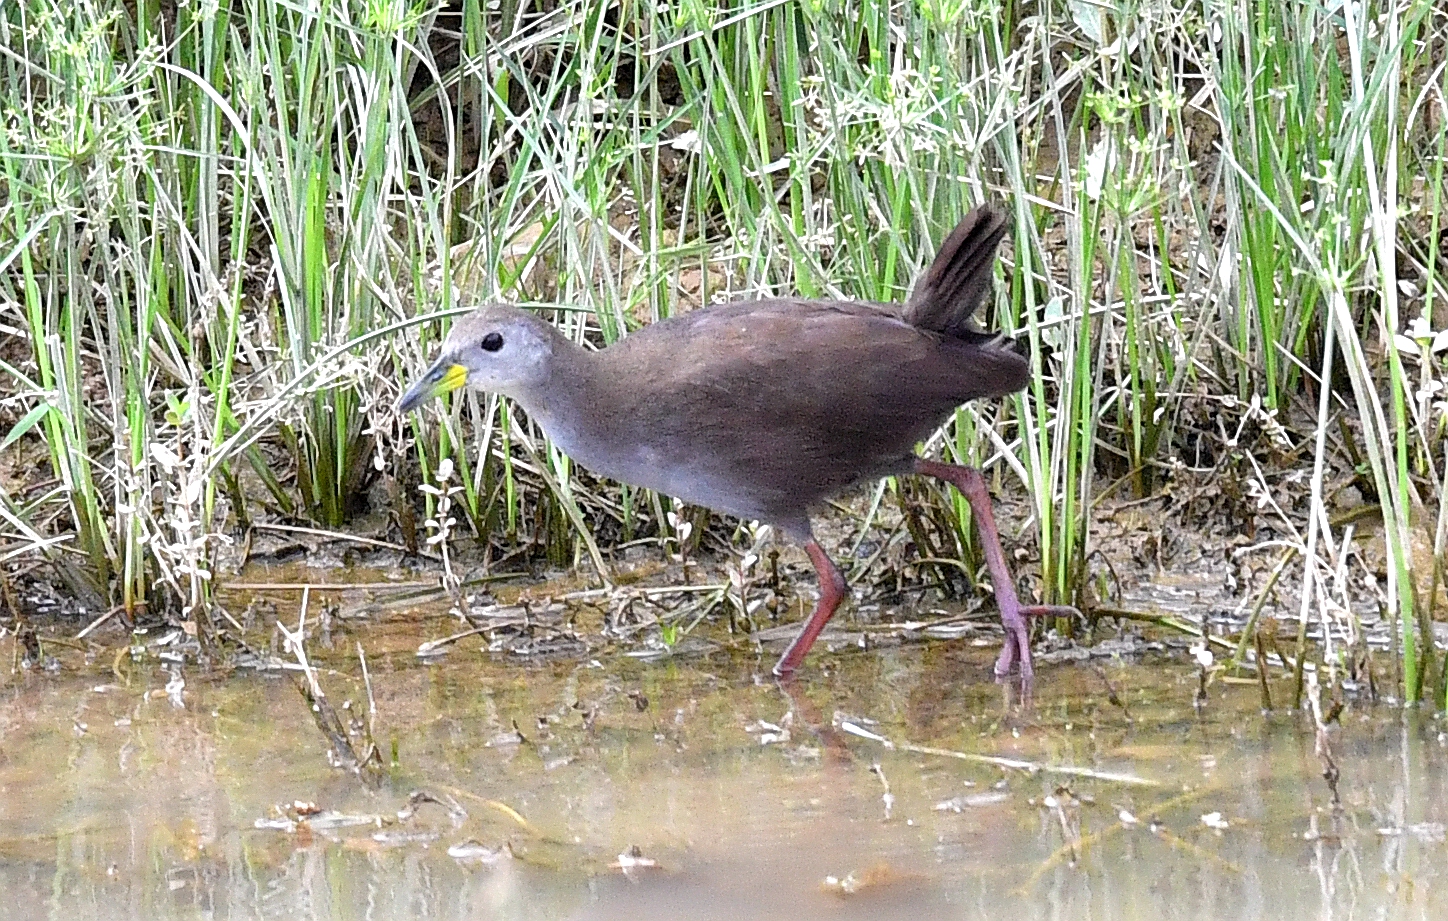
column 496, row 348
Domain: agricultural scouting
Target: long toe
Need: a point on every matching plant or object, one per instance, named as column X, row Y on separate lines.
column 1007, row 658
column 1017, row 645
column 1050, row 610
column 1028, row 668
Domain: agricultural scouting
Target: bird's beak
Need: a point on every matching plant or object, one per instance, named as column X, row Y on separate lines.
column 441, row 378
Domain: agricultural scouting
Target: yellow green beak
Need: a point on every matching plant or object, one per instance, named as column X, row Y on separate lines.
column 441, row 378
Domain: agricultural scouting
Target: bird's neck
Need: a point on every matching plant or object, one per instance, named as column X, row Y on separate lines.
column 561, row 400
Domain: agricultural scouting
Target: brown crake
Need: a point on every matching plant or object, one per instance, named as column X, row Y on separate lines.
column 763, row 409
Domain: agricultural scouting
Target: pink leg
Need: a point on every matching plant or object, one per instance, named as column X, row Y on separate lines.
column 832, row 592
column 1013, row 614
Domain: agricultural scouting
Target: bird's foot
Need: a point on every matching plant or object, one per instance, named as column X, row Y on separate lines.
column 1018, row 634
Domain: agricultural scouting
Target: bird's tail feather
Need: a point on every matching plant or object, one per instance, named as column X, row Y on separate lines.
column 951, row 289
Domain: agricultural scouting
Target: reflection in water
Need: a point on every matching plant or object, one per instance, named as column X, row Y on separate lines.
column 116, row 803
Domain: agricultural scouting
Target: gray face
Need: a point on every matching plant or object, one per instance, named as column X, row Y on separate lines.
column 497, row 349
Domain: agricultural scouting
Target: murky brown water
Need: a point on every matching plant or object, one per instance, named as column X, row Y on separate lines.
column 117, row 803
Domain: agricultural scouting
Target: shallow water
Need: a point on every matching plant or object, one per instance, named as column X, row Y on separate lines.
column 121, row 800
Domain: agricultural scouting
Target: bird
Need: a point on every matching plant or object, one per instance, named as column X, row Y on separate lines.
column 763, row 409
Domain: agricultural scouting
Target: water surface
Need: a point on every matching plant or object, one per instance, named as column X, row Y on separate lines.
column 120, row 799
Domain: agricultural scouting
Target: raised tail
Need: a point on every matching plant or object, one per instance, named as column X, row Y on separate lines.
column 948, row 293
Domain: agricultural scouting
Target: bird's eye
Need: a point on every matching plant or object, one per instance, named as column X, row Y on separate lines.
column 492, row 342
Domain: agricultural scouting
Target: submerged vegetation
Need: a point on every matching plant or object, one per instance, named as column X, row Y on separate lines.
column 225, row 228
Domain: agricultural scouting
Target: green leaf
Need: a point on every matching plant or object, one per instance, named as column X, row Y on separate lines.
column 25, row 425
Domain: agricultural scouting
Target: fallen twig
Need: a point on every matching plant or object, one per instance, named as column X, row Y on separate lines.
column 1014, row 764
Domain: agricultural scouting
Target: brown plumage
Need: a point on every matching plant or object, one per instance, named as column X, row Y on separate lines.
column 762, row 409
